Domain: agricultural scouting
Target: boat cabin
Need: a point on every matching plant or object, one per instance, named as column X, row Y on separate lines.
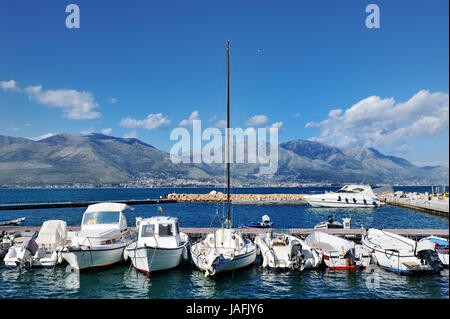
column 161, row 231
column 104, row 215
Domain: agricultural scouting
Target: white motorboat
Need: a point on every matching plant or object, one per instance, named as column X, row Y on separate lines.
column 400, row 254
column 281, row 250
column 225, row 249
column 42, row 252
column 102, row 239
column 356, row 196
column 331, row 224
column 339, row 253
column 441, row 246
column 160, row 244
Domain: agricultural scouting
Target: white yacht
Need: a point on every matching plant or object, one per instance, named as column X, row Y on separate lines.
column 225, row 249
column 339, row 253
column 102, row 239
column 42, row 252
column 160, row 244
column 281, row 250
column 352, row 195
column 400, row 254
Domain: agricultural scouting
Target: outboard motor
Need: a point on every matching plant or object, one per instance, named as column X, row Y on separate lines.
column 330, row 219
column 296, row 255
column 430, row 257
column 350, row 255
column 25, row 257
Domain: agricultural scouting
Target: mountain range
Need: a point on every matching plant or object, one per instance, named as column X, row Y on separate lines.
column 100, row 159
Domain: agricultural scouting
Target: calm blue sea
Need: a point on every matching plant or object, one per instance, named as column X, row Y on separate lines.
column 186, row 282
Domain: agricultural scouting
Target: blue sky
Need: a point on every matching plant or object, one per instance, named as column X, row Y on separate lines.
column 312, row 68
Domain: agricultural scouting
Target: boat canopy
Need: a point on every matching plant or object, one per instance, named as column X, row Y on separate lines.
column 354, row 189
column 53, row 233
column 107, row 207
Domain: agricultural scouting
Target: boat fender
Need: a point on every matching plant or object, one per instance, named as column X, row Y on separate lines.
column 374, row 203
column 354, row 200
column 339, row 198
column 125, row 254
column 287, row 241
column 365, row 202
column 346, row 200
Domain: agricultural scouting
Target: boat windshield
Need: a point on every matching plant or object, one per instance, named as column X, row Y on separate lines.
column 165, row 230
column 354, row 190
column 148, row 230
column 95, row 218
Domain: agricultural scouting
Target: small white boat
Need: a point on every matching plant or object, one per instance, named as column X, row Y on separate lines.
column 17, row 221
column 331, row 224
column 400, row 254
column 356, row 196
column 102, row 239
column 441, row 246
column 160, row 244
column 223, row 250
column 339, row 253
column 42, row 252
column 283, row 251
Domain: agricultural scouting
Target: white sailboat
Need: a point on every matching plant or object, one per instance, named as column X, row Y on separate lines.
column 160, row 244
column 400, row 254
column 352, row 195
column 339, row 253
column 281, row 250
column 42, row 252
column 225, row 249
column 103, row 237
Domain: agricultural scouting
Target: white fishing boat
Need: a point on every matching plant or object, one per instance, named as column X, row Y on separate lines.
column 44, row 251
column 225, row 249
column 160, row 244
column 339, row 253
column 280, row 250
column 356, row 196
column 102, row 239
column 400, row 254
column 331, row 224
column 441, row 247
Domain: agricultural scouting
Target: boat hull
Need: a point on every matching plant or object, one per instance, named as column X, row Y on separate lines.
column 337, row 204
column 85, row 257
column 222, row 263
column 149, row 259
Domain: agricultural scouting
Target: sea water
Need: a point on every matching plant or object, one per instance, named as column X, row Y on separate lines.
column 122, row 281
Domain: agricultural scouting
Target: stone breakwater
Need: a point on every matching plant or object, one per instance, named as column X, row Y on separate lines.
column 221, row 197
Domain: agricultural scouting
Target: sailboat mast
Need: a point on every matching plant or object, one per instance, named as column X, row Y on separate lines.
column 228, row 221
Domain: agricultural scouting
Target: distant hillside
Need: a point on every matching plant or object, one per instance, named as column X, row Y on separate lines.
column 100, row 159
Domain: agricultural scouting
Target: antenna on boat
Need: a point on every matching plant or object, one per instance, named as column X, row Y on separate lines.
column 228, row 221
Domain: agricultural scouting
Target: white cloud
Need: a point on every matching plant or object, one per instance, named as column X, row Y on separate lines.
column 296, row 115
column 112, row 100
column 221, row 124
column 38, row 138
column 257, row 120
column 8, row 85
column 76, row 105
column 151, row 122
column 375, row 121
column 433, row 163
column 188, row 122
column 403, row 149
column 13, row 128
column 88, row 131
column 132, row 134
column 106, row 131
column 279, row 126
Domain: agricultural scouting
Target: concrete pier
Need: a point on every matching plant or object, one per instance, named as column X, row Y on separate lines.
column 434, row 206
